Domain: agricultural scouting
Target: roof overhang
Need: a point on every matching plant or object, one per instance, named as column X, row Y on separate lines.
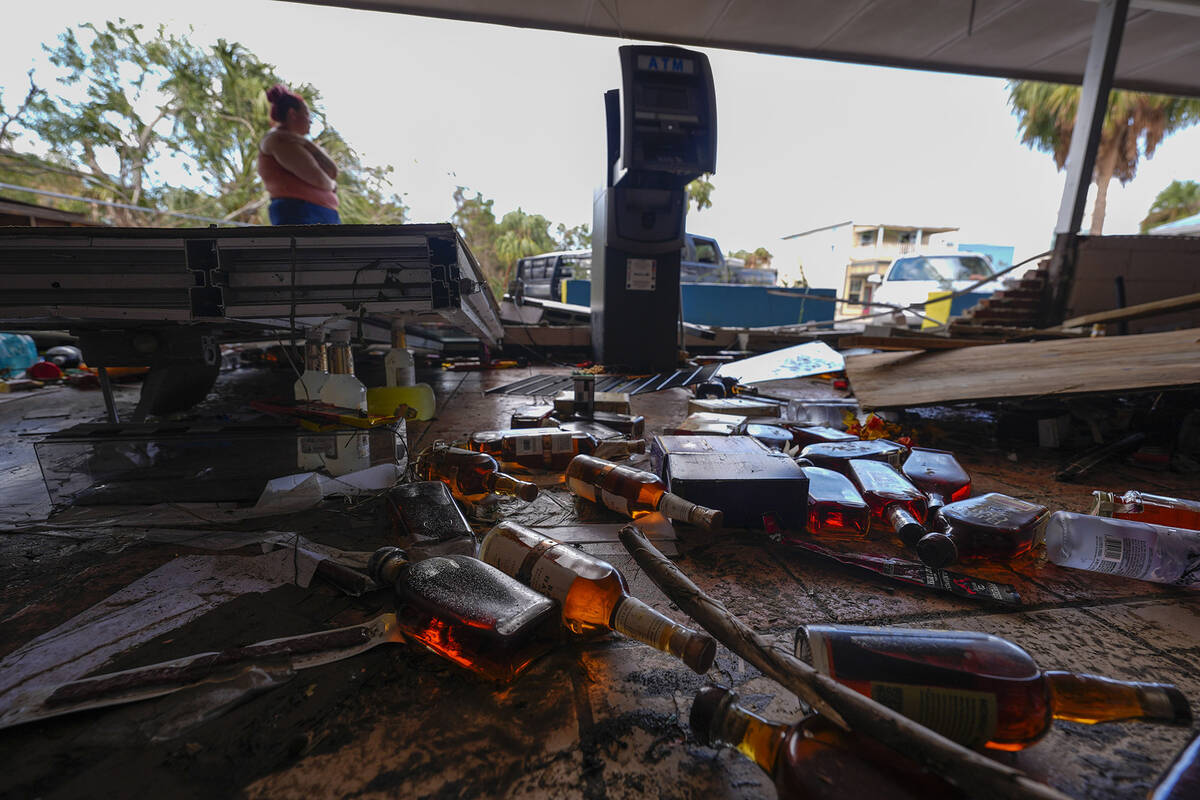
column 1042, row 40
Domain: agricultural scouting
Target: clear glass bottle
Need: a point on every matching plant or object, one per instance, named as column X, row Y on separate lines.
column 1143, row 507
column 535, row 448
column 471, row 476
column 976, row 689
column 342, row 389
column 938, row 474
column 812, row 758
column 592, row 592
column 837, row 455
column 311, row 448
column 835, row 508
column 634, row 492
column 895, row 503
column 991, row 526
column 468, row 611
column 1124, row 547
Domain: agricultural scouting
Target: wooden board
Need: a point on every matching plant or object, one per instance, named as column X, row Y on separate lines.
column 1027, row 369
column 1152, row 309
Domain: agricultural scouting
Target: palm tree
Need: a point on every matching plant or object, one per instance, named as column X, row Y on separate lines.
column 1134, row 126
column 1180, row 199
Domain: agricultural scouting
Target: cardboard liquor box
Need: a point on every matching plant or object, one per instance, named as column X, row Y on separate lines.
column 736, row 474
column 617, row 402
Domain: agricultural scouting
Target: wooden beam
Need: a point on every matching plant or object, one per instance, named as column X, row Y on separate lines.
column 909, row 342
column 1184, row 302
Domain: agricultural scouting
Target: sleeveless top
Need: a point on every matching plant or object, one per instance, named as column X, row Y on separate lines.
column 281, row 183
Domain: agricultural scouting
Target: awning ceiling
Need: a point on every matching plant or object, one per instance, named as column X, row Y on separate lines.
column 1036, row 39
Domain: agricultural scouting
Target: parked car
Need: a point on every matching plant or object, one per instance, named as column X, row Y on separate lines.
column 910, row 279
column 542, row 275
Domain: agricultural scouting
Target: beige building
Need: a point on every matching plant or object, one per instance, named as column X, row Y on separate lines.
column 844, row 254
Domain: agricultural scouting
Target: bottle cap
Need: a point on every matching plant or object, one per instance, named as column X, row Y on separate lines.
column 339, row 336
column 708, row 706
column 315, row 335
column 1104, row 504
column 383, row 561
column 710, row 519
column 699, row 652
column 1163, row 702
column 527, row 491
column 907, row 527
column 937, row 550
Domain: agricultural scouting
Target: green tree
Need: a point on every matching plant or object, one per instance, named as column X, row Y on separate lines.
column 577, row 238
column 1180, row 199
column 1134, row 126
column 699, row 192
column 760, row 257
column 520, row 234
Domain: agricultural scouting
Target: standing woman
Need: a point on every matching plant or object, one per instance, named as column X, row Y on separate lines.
column 299, row 176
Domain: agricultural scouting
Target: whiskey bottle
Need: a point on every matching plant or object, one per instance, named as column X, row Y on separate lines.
column 837, row 455
column 1124, row 547
column 592, row 593
column 535, row 448
column 895, row 503
column 811, row 759
column 634, row 492
column 938, row 474
column 471, row 476
column 467, row 611
column 835, row 508
column 976, row 689
column 992, row 526
column 1142, row 507
column 804, row 435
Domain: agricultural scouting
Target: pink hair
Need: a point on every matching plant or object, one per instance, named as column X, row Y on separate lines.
column 282, row 99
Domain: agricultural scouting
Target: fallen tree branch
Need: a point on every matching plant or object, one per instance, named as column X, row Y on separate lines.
column 979, row 775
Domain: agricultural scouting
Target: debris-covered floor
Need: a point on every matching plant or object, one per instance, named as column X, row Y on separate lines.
column 601, row 719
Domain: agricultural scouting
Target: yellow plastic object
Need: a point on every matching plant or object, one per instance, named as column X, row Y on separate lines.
column 937, row 307
column 419, row 399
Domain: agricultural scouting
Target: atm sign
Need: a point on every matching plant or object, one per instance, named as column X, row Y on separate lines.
column 674, row 64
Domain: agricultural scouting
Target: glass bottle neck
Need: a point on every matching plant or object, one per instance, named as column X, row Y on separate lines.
column 314, row 356
column 340, row 360
column 1090, row 699
column 753, row 736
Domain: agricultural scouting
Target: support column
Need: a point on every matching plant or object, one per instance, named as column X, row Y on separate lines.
column 1081, row 159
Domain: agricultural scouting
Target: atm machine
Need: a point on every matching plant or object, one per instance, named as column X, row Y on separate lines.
column 662, row 134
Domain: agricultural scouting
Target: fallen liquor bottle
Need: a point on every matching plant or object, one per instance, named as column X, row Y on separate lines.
column 816, row 434
column 991, row 526
column 1124, row 547
column 835, row 508
column 425, row 520
column 634, row 492
column 915, row 573
column 592, row 592
column 938, row 474
column 468, row 611
column 546, row 448
column 773, row 436
column 895, row 503
column 837, row 455
column 977, row 689
column 812, row 759
column 1142, row 507
column 471, row 476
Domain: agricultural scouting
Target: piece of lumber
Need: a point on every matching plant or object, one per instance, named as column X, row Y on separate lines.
column 1184, row 302
column 908, row 342
column 1027, row 369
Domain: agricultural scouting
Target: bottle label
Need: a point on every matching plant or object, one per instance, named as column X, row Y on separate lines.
column 527, row 444
column 967, row 717
column 638, row 621
column 551, row 578
column 560, row 443
column 615, row 502
column 1118, row 556
column 584, row 489
column 503, row 553
column 323, row 445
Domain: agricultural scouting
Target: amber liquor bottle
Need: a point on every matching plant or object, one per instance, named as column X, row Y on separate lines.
column 592, row 593
column 938, row 474
column 634, row 492
column 977, row 689
column 812, row 759
column 467, row 611
column 895, row 503
column 992, row 526
column 1143, row 507
column 471, row 476
column 838, row 455
column 835, row 508
column 546, row 448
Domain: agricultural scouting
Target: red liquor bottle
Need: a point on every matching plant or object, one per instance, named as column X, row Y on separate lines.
column 938, row 474
column 835, row 508
column 976, row 689
column 895, row 503
column 992, row 526
column 836, row 455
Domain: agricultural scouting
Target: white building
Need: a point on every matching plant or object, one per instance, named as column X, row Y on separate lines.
column 842, row 255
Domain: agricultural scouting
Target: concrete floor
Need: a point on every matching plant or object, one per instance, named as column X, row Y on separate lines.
column 601, row 720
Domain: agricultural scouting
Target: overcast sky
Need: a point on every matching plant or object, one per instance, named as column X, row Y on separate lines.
column 518, row 115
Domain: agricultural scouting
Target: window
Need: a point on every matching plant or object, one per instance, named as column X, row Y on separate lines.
column 907, row 237
column 866, row 238
column 706, row 251
column 855, row 293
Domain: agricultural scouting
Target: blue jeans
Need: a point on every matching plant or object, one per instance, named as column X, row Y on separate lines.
column 290, row 211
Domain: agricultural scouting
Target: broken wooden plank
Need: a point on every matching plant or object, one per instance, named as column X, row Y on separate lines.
column 908, row 342
column 1027, row 369
column 1184, row 302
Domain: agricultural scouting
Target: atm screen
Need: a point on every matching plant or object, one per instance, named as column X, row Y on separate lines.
column 661, row 98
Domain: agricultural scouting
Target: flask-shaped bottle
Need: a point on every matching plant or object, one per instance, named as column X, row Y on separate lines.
column 835, row 508
column 592, row 592
column 938, row 474
column 896, row 505
column 976, row 689
column 992, row 526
